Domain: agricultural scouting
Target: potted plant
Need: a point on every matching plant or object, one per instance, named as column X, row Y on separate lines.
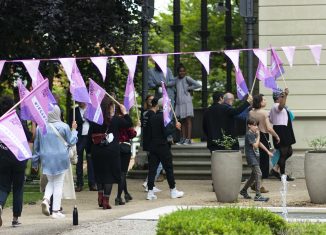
column 226, row 170
column 315, row 170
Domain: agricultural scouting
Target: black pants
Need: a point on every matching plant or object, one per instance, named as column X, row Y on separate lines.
column 264, row 158
column 161, row 153
column 12, row 175
column 285, row 153
column 81, row 147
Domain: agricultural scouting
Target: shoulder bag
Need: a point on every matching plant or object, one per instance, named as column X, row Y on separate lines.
column 72, row 150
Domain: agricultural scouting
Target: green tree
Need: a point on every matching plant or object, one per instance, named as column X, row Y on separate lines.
column 161, row 40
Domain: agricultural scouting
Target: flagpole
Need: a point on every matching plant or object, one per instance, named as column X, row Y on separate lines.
column 279, row 68
column 253, row 85
column 111, row 97
column 137, row 111
column 74, row 111
column 175, row 116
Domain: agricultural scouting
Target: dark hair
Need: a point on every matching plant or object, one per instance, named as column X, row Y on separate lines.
column 181, row 66
column 154, row 102
column 147, row 97
column 217, row 96
column 252, row 121
column 256, row 102
column 6, row 102
column 105, row 106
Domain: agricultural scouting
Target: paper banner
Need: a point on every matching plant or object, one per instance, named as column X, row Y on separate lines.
column 93, row 111
column 262, row 55
column 166, row 106
column 316, row 51
column 234, row 57
column 67, row 64
column 161, row 61
column 276, row 64
column 242, row 88
column 203, row 57
column 289, row 53
column 262, row 72
column 101, row 63
column 2, row 63
column 131, row 61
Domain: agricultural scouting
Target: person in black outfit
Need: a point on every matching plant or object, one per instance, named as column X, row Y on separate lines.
column 218, row 120
column 105, row 149
column 160, row 151
column 82, row 145
column 12, row 171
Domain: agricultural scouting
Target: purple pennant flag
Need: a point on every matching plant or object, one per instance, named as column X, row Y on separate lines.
column 77, row 86
column 166, row 106
column 37, row 102
column 32, row 69
column 263, row 74
column 276, row 65
column 129, row 99
column 24, row 111
column 242, row 88
column 13, row 136
column 94, row 111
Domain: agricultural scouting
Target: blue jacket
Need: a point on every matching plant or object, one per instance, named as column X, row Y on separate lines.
column 50, row 149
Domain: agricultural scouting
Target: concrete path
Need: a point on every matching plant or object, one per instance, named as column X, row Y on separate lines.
column 93, row 220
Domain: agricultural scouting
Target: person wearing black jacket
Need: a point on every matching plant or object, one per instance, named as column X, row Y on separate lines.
column 12, row 171
column 82, row 145
column 217, row 121
column 160, row 151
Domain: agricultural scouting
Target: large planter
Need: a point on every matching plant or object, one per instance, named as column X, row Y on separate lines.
column 315, row 173
column 226, row 174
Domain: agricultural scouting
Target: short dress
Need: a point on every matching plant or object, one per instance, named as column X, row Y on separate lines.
column 184, row 107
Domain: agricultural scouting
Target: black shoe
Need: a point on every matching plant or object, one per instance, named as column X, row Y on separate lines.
column 260, row 198
column 289, row 178
column 245, row 194
column 276, row 174
column 128, row 197
column 118, row 201
column 93, row 188
column 15, row 223
column 78, row 189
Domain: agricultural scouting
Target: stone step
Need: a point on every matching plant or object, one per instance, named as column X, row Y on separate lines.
column 183, row 174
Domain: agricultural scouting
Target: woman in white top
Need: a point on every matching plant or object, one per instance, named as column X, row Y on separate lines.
column 282, row 124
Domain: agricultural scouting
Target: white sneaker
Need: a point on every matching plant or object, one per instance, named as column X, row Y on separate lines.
column 45, row 207
column 58, row 215
column 156, row 190
column 151, row 195
column 145, row 184
column 176, row 194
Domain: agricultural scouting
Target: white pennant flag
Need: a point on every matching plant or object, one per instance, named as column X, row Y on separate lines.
column 33, row 71
column 68, row 64
column 203, row 57
column 161, row 61
column 2, row 63
column 131, row 61
column 234, row 57
column 101, row 63
column 262, row 55
column 289, row 53
column 316, row 51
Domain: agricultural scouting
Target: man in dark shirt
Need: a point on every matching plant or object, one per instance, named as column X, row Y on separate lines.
column 160, row 151
column 216, row 121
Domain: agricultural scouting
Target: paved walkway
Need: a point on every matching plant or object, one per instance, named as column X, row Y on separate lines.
column 93, row 220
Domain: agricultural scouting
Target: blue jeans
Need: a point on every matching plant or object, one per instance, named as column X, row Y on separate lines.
column 81, row 147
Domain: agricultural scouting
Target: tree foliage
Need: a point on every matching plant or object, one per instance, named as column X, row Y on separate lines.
column 66, row 28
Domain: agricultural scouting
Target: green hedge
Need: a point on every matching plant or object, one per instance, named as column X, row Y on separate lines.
column 229, row 220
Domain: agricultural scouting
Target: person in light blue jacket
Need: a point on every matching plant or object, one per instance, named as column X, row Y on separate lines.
column 53, row 153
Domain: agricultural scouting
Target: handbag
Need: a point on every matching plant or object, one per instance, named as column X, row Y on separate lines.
column 72, row 150
column 98, row 138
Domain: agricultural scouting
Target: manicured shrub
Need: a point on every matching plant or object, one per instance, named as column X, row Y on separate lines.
column 306, row 229
column 228, row 220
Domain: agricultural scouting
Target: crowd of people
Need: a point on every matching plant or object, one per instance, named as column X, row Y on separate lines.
column 108, row 146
